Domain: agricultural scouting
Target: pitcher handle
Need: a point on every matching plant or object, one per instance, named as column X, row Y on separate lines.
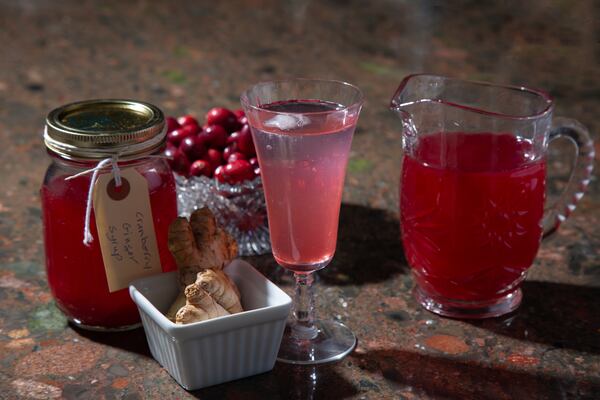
column 581, row 172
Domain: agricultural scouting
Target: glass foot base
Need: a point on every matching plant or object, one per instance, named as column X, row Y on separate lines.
column 466, row 309
column 332, row 343
column 94, row 328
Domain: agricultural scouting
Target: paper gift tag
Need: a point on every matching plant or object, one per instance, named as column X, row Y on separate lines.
column 125, row 228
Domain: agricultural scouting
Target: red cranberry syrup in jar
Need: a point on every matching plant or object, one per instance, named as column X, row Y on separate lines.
column 76, row 272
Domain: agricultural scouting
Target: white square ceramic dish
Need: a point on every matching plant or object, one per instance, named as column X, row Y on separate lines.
column 218, row 350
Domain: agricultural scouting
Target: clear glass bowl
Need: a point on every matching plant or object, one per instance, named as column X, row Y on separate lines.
column 240, row 209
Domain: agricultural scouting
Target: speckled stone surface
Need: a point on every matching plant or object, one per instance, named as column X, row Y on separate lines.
column 188, row 56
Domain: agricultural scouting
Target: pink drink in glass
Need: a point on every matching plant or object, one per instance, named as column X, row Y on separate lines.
column 302, row 130
column 303, row 163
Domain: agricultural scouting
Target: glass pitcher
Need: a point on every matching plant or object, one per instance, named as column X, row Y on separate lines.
column 473, row 189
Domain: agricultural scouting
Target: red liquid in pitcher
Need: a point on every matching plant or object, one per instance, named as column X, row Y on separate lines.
column 76, row 273
column 471, row 210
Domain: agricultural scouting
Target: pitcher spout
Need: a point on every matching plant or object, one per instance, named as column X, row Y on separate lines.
column 402, row 98
column 429, row 104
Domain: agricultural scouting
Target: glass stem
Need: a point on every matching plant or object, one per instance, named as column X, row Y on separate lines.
column 303, row 325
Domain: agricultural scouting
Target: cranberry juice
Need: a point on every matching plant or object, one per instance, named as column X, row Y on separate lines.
column 76, row 273
column 471, row 209
column 303, row 161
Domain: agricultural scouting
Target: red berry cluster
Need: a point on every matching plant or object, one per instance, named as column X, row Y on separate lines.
column 222, row 148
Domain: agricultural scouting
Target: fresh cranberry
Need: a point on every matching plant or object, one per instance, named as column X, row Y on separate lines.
column 257, row 171
column 233, row 138
column 222, row 117
column 202, row 138
column 176, row 137
column 172, row 124
column 229, row 150
column 239, row 113
column 192, row 129
column 243, row 120
column 245, row 143
column 236, row 156
column 169, row 146
column 238, row 171
column 253, row 161
column 234, row 127
column 170, row 151
column 200, row 167
column 213, row 157
column 220, row 174
column 193, row 147
column 187, row 120
column 178, row 161
column 216, row 136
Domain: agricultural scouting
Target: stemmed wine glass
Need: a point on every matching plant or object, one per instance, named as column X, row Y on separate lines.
column 302, row 129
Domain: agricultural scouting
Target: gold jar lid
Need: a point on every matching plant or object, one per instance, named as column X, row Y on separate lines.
column 97, row 129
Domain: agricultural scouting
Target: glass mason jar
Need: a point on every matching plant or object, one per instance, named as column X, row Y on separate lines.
column 101, row 135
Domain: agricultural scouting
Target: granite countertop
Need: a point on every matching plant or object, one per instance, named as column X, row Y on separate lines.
column 188, row 56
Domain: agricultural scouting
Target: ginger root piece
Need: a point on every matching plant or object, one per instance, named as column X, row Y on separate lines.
column 201, row 248
column 177, row 304
column 200, row 298
column 221, row 288
column 199, row 306
column 183, row 248
column 199, row 244
column 188, row 314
